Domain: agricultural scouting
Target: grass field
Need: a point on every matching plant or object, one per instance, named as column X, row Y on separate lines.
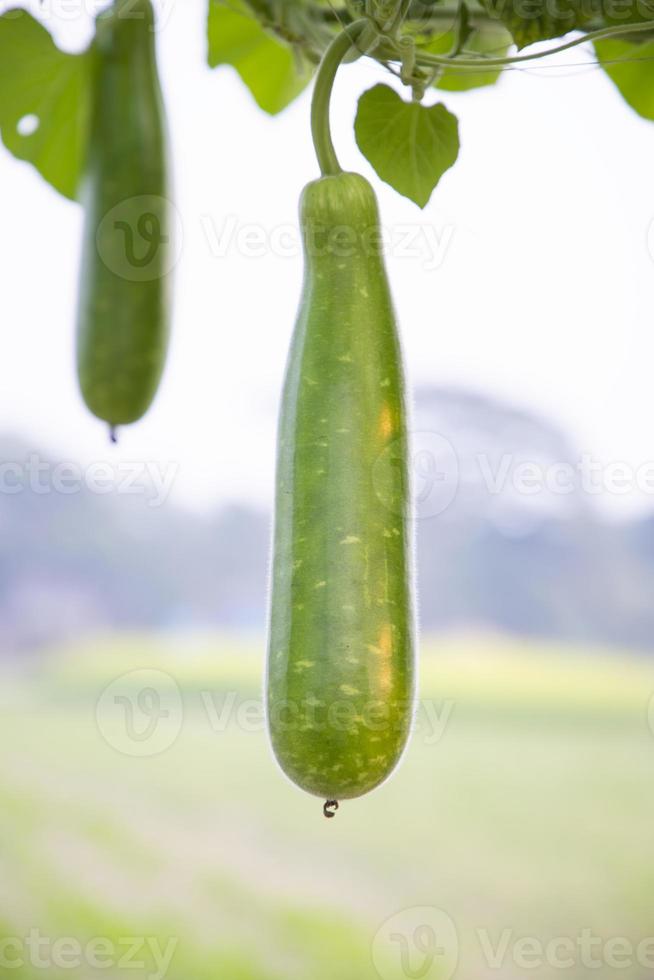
column 515, row 839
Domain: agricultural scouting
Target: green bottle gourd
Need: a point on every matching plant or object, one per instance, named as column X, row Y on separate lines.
column 340, row 677
column 123, row 316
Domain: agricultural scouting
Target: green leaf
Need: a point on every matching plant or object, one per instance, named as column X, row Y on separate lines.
column 42, row 86
column 272, row 71
column 529, row 21
column 491, row 39
column 409, row 146
column 631, row 68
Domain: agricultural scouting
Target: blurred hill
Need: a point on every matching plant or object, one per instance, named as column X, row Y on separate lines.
column 492, row 551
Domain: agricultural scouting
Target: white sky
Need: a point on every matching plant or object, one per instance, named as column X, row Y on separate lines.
column 545, row 296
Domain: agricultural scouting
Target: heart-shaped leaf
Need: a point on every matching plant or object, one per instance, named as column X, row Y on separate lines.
column 410, row 146
column 44, row 101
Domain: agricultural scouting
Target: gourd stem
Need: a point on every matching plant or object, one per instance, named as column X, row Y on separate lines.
column 322, row 92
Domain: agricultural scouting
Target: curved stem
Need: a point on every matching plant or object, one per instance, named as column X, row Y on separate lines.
column 599, row 35
column 322, row 92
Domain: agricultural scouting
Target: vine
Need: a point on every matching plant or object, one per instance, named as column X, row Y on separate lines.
column 277, row 45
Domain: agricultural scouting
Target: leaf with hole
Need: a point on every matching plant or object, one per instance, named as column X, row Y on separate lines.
column 43, row 101
column 409, row 145
column 273, row 72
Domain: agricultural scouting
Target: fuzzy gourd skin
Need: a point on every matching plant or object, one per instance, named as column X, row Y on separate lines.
column 340, row 661
column 123, row 317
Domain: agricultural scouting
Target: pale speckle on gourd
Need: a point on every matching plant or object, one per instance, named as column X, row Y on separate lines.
column 320, row 585
column 301, row 665
column 385, row 383
column 351, row 539
column 348, row 689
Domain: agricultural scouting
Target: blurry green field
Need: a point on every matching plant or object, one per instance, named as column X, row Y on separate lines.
column 530, row 816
